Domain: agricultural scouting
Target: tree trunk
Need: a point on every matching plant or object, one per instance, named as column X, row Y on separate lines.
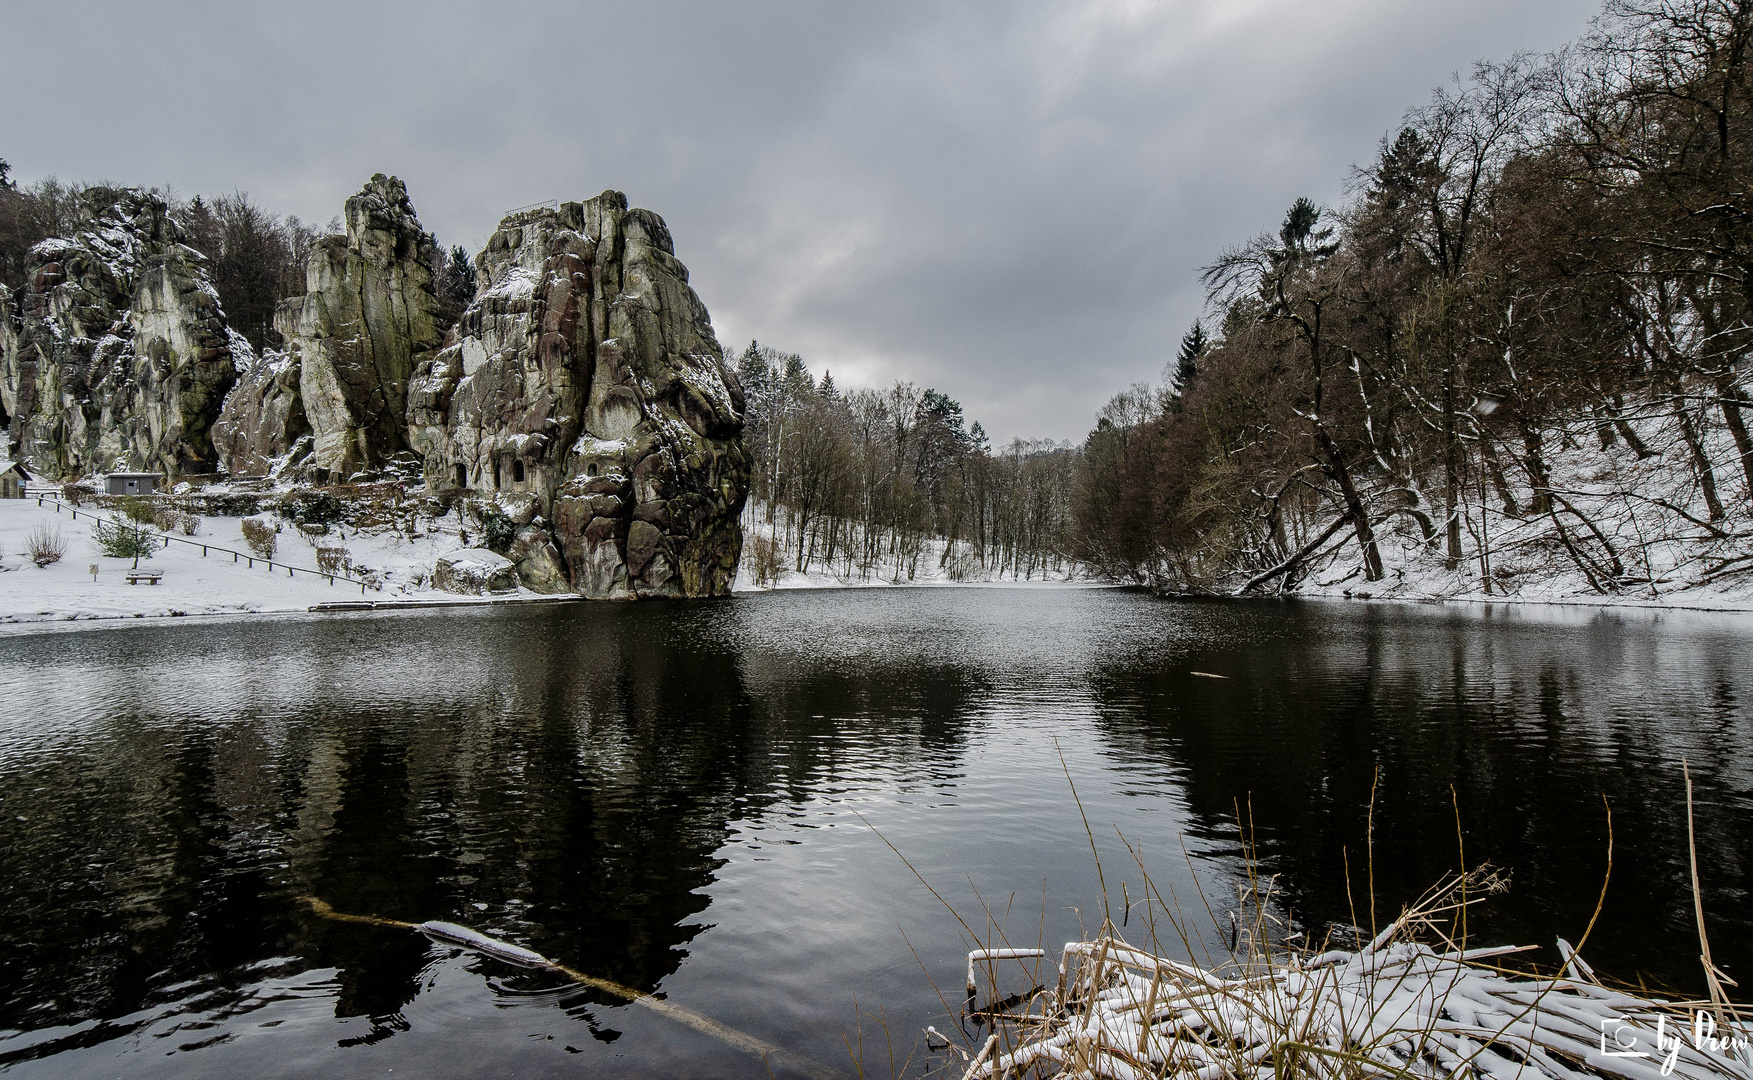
column 1494, row 468
column 1700, row 463
column 1629, row 433
column 1539, row 476
column 1451, row 473
column 1290, row 566
column 1366, row 537
column 1728, row 395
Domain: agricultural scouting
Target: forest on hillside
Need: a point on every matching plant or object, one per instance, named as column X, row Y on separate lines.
column 1516, row 349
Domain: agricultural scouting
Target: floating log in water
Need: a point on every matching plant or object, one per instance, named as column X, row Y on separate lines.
column 481, row 943
column 451, row 933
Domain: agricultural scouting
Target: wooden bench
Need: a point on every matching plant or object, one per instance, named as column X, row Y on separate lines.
column 151, row 577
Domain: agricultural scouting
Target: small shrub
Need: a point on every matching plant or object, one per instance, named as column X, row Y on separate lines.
column 172, row 519
column 73, row 493
column 138, row 509
column 260, row 536
column 333, row 560
column 309, row 506
column 764, row 564
column 123, row 538
column 45, row 547
column 497, row 533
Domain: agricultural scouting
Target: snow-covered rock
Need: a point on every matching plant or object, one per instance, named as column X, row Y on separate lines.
column 474, row 571
column 263, row 418
column 115, row 354
column 585, row 373
column 366, row 321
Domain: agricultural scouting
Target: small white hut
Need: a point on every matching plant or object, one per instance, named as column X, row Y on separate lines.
column 12, row 479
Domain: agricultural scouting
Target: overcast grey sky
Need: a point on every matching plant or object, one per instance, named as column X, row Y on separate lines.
column 1007, row 201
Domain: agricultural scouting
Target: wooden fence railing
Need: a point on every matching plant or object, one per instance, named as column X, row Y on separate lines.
column 236, row 556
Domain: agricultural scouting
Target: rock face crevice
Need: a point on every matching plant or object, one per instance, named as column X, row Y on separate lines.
column 262, row 428
column 585, row 375
column 115, row 355
column 367, row 319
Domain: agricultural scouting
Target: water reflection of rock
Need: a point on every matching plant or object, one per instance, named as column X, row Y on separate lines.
column 571, row 796
column 1530, row 716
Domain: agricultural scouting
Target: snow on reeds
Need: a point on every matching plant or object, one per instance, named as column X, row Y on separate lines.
column 1412, row 1002
column 1408, row 1004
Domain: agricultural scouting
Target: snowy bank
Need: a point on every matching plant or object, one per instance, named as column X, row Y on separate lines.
column 222, row 577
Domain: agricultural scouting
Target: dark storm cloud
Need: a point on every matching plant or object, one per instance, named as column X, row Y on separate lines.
column 1007, row 201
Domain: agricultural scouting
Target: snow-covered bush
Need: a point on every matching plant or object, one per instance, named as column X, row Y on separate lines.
column 308, row 506
column 260, row 536
column 333, row 560
column 45, row 547
column 170, row 519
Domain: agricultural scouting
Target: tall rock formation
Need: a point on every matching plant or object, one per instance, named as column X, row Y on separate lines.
column 365, row 322
column 584, row 385
column 115, row 354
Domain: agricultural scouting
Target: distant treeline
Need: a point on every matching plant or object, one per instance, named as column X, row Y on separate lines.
column 1522, row 336
column 256, row 257
column 867, row 483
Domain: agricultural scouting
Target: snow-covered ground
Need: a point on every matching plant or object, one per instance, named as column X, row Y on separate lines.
column 928, row 575
column 928, row 570
column 218, row 582
column 197, row 584
column 1627, row 531
column 815, row 579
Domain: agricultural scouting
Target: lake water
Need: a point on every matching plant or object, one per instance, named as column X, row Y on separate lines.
column 694, row 799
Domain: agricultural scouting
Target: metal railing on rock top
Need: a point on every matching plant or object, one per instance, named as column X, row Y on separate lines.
column 236, row 556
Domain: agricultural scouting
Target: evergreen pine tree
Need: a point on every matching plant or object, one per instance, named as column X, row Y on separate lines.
column 454, row 282
column 1194, row 345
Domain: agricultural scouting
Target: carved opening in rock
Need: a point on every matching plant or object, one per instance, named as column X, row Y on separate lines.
column 517, row 472
column 462, row 475
column 497, row 470
column 591, row 469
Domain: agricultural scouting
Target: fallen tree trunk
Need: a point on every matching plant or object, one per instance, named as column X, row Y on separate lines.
column 1289, row 565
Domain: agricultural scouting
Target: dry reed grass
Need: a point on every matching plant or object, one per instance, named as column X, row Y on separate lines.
column 1413, row 1002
